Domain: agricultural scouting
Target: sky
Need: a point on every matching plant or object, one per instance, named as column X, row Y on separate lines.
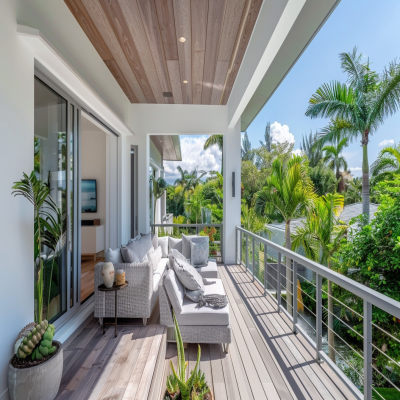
column 371, row 26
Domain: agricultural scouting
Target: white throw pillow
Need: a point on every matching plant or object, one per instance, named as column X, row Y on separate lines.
column 154, row 257
column 163, row 243
column 188, row 275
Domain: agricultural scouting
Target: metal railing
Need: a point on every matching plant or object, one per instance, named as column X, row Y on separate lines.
column 264, row 260
column 216, row 245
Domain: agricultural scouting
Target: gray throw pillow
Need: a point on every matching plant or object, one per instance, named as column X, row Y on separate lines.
column 188, row 275
column 113, row 256
column 141, row 247
column 174, row 243
column 194, row 295
column 186, row 244
column 129, row 256
column 163, row 243
column 154, row 257
column 154, row 239
column 199, row 251
column 138, row 237
column 179, row 256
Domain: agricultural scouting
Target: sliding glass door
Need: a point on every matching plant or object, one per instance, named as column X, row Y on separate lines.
column 56, row 138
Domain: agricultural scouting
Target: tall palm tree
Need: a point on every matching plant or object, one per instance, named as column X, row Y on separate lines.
column 333, row 156
column 358, row 107
column 193, row 180
column 195, row 203
column 181, row 181
column 320, row 237
column 386, row 165
column 313, row 153
column 219, row 141
column 288, row 191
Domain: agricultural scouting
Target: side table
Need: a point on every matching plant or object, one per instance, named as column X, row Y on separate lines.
column 115, row 288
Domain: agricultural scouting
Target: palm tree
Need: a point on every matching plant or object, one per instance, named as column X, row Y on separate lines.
column 320, row 237
column 253, row 222
column 181, row 181
column 313, row 153
column 335, row 160
column 357, row 107
column 288, row 191
column 219, row 141
column 195, row 203
column 386, row 165
column 193, row 180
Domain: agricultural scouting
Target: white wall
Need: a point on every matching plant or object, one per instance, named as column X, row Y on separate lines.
column 16, row 157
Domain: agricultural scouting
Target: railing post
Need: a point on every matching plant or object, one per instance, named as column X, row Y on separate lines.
column 253, row 258
column 236, row 245
column 318, row 298
column 265, row 268
column 278, row 288
column 247, row 251
column 221, row 242
column 241, row 247
column 294, row 295
column 367, row 350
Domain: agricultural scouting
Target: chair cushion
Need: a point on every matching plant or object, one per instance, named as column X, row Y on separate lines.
column 161, row 267
column 174, row 243
column 141, row 246
column 175, row 290
column 128, row 255
column 188, row 275
column 210, row 271
column 199, row 251
column 113, row 256
column 163, row 243
column 191, row 314
column 154, row 257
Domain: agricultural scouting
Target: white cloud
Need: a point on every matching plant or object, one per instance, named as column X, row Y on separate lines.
column 280, row 133
column 386, row 142
column 193, row 155
column 355, row 168
column 297, row 152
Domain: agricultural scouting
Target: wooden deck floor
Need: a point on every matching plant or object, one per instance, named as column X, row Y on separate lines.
column 265, row 360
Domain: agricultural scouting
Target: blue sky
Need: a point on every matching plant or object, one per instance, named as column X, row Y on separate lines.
column 371, row 26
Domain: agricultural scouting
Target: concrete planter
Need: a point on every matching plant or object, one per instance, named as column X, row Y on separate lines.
column 40, row 382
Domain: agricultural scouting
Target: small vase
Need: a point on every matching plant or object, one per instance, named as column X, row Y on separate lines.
column 108, row 274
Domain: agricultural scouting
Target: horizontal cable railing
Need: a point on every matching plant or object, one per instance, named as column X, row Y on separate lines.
column 213, row 231
column 296, row 283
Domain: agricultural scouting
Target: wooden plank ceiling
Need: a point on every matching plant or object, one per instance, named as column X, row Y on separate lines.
column 139, row 42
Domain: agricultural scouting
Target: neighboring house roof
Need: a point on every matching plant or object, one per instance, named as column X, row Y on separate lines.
column 350, row 211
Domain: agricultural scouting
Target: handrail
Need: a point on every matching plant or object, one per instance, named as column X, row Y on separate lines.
column 369, row 296
column 380, row 300
column 186, row 225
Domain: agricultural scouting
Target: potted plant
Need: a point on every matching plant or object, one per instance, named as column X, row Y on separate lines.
column 35, row 370
column 178, row 388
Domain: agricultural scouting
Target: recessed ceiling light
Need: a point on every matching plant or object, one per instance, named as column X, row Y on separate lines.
column 185, row 81
column 182, row 39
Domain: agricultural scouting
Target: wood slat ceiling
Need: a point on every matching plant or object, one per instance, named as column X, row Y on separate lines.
column 138, row 40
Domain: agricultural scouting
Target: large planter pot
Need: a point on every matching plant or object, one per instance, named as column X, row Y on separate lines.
column 40, row 382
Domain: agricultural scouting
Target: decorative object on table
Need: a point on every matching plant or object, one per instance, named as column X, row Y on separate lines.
column 120, row 277
column 178, row 387
column 108, row 274
column 114, row 288
column 35, row 370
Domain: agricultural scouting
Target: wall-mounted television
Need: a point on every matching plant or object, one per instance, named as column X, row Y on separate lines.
column 89, row 196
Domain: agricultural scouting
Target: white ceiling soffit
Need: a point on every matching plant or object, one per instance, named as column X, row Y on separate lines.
column 48, row 56
column 280, row 36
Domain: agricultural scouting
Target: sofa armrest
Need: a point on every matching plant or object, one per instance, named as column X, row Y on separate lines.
column 166, row 317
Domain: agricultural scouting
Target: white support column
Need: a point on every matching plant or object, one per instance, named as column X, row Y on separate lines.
column 231, row 163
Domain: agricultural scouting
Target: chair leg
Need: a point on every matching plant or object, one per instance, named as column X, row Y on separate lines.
column 226, row 348
column 144, row 321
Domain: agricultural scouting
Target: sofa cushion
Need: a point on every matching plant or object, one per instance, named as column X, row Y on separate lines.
column 154, row 257
column 210, row 271
column 174, row 243
column 113, row 256
column 161, row 267
column 128, row 255
column 141, row 246
column 175, row 290
column 192, row 314
column 163, row 243
column 154, row 238
column 175, row 253
column 138, row 237
column 199, row 251
column 188, row 275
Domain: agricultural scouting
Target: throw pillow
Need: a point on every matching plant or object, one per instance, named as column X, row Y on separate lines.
column 199, row 252
column 138, row 237
column 113, row 256
column 175, row 253
column 154, row 257
column 186, row 244
column 194, row 295
column 163, row 243
column 128, row 255
column 174, row 243
column 188, row 275
column 154, row 238
column 141, row 247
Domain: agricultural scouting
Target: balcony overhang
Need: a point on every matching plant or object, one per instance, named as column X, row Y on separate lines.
column 169, row 146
